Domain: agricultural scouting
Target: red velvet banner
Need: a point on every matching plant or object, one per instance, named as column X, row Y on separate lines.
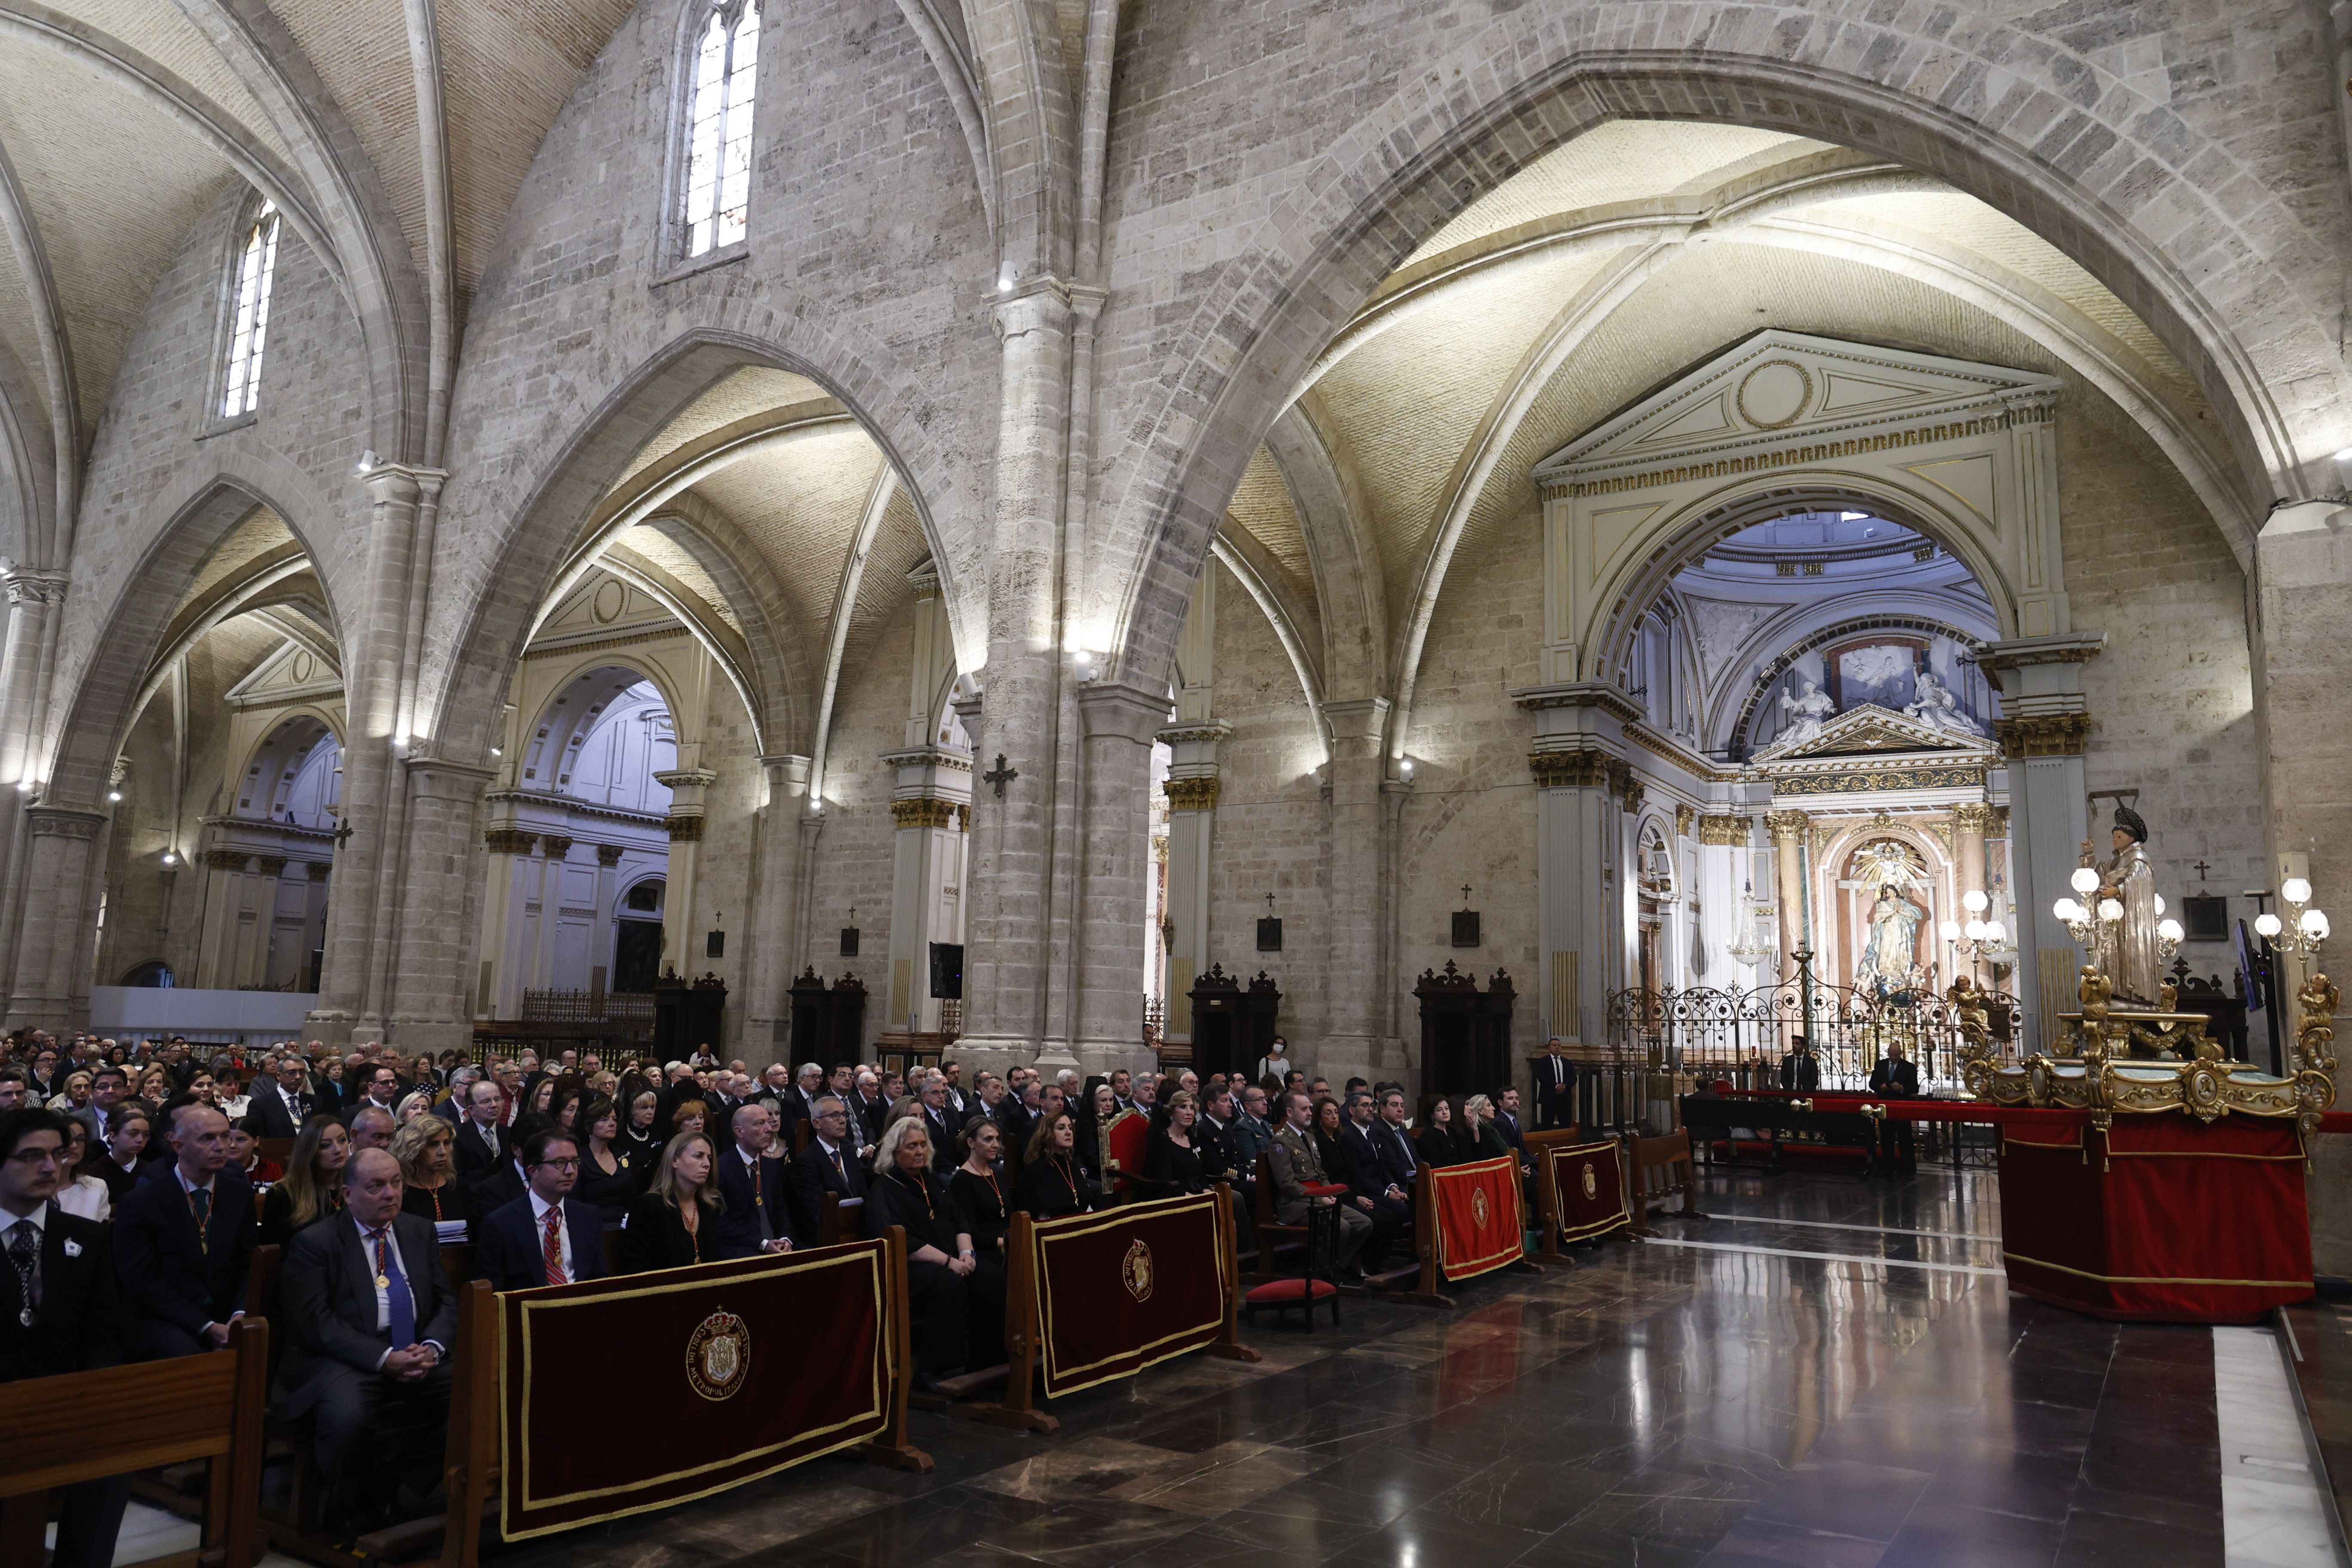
column 1128, row 1288
column 625, row 1395
column 1481, row 1225
column 1588, row 1188
column 2166, row 1219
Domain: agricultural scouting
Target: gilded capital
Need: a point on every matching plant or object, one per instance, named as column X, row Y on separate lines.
column 272, row 865
column 684, row 829
column 2044, row 734
column 923, row 811
column 510, row 841
column 558, row 848
column 1568, row 770
column 1786, row 826
column 1686, row 818
column 227, row 859
column 1192, row 794
column 1731, row 830
column 609, row 853
column 1972, row 816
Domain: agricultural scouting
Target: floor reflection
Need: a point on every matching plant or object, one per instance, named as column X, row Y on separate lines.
column 1652, row 1406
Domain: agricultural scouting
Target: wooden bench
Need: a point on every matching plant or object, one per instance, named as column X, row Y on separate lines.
column 1660, row 1168
column 83, row 1425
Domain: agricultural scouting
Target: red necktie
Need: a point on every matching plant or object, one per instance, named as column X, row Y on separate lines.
column 551, row 1246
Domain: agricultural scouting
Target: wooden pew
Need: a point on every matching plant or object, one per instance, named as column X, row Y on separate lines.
column 85, row 1425
column 1272, row 1235
column 839, row 1219
column 1660, row 1168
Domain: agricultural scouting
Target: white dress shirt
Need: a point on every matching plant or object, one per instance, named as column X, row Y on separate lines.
column 538, row 1207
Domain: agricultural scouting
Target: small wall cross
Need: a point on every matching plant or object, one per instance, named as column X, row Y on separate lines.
column 999, row 776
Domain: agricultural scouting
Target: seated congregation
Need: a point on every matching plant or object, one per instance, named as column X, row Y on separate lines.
column 150, row 1198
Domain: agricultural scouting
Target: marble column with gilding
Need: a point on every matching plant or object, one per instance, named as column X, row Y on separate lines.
column 930, row 816
column 1353, row 984
column 2044, row 730
column 1792, row 908
column 1191, row 790
column 1970, row 823
column 1584, row 914
column 772, row 937
column 685, row 824
column 1723, row 889
column 65, row 855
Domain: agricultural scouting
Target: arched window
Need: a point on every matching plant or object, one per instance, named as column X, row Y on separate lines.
column 724, row 51
column 256, row 264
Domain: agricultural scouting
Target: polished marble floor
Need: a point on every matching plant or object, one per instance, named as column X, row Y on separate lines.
column 1837, row 1378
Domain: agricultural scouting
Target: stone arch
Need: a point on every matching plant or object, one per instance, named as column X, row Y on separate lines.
column 315, row 720
column 132, row 635
column 1434, row 145
column 591, row 446
column 1741, row 503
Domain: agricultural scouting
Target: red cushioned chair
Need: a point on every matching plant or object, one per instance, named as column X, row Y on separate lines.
column 1319, row 1264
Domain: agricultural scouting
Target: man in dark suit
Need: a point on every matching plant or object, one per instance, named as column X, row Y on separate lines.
column 1800, row 1069
column 1369, row 1188
column 1555, row 1085
column 942, row 1124
column 181, row 1241
column 379, row 1090
column 545, row 1236
column 867, row 1105
column 1896, row 1079
column 755, row 1193
column 60, row 1309
column 278, row 1103
column 483, row 1146
column 829, row 1163
column 371, row 1318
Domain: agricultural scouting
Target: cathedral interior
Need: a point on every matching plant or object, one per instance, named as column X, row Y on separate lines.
column 988, row 529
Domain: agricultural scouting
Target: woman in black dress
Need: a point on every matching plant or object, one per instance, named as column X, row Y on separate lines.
column 606, row 1179
column 675, row 1222
column 426, row 1149
column 312, row 1188
column 1437, row 1144
column 1101, row 1105
column 1051, row 1180
column 637, row 1140
column 978, row 1191
column 958, row 1295
column 1171, row 1154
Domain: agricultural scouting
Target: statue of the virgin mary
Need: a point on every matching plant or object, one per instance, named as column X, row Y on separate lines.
column 1892, row 950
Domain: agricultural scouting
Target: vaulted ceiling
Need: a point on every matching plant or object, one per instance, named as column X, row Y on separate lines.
column 1588, row 280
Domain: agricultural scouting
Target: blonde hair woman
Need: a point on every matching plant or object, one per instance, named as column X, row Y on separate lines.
column 426, row 1149
column 668, row 1222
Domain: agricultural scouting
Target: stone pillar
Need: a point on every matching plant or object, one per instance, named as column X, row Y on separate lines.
column 64, row 855
column 497, row 979
column 1576, row 826
column 1010, row 924
column 930, row 812
column 2044, row 730
column 359, row 917
column 1192, row 838
column 34, row 598
column 772, row 944
column 223, row 897
column 1970, row 821
column 2303, row 667
column 440, row 867
column 262, row 897
column 1792, row 913
column 1114, row 867
column 1353, row 983
column 685, row 824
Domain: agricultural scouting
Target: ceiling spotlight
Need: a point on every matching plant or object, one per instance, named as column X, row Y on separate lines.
column 170, row 858
column 2345, row 456
column 114, row 795
column 368, row 460
column 496, row 752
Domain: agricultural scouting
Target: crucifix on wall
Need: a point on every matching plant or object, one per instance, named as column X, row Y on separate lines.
column 1269, row 929
column 999, row 776
column 1465, row 922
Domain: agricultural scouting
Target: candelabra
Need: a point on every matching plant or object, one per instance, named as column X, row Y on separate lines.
column 2304, row 929
column 1981, row 938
